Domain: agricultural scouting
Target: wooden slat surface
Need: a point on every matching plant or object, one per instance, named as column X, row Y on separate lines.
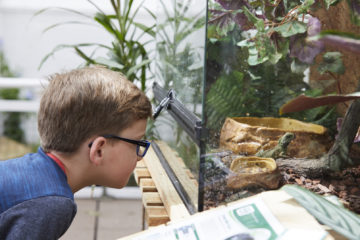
column 156, row 215
column 160, row 200
column 172, row 202
column 147, row 185
column 141, row 164
column 154, row 210
column 152, row 199
column 140, row 173
column 181, row 171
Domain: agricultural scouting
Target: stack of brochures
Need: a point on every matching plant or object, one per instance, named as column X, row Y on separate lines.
column 245, row 220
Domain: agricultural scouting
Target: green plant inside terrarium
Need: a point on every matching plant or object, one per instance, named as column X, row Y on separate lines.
column 256, row 59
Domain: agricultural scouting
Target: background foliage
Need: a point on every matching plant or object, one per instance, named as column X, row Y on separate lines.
column 127, row 52
column 258, row 53
column 12, row 122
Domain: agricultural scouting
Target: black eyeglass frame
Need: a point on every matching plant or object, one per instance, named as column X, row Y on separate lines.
column 139, row 143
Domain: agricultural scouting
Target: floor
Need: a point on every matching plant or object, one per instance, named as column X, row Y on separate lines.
column 105, row 216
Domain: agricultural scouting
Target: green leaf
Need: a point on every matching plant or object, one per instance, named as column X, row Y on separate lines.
column 245, row 43
column 329, row 3
column 260, row 25
column 275, row 57
column 96, row 6
column 252, row 18
column 65, row 23
column 332, row 62
column 305, row 6
column 105, row 21
column 336, row 217
column 151, row 13
column 213, row 40
column 226, row 98
column 108, row 63
column 127, row 52
column 254, row 58
column 127, row 9
column 193, row 26
column 84, row 56
column 127, row 21
column 291, row 28
column 222, row 30
column 5, row 70
column 66, row 46
column 146, row 29
column 136, row 67
column 60, row 8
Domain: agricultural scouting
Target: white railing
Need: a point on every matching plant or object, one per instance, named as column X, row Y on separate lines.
column 21, row 105
column 22, row 82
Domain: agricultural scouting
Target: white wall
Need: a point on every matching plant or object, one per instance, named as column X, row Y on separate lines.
column 25, row 44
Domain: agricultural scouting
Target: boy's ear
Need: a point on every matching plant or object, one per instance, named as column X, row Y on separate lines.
column 97, row 151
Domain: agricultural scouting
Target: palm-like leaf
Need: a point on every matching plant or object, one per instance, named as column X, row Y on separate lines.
column 61, row 8
column 338, row 218
column 72, row 46
column 127, row 52
column 65, row 23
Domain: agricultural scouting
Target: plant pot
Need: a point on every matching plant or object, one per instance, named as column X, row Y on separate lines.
column 247, row 135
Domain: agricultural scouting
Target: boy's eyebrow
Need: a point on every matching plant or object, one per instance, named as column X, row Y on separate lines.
column 140, row 136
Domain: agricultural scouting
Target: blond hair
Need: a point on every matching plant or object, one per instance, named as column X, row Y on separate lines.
column 86, row 102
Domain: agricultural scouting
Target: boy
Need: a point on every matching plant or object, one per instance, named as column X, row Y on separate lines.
column 91, row 122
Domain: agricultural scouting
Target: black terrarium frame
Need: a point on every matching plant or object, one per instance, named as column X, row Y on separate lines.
column 193, row 126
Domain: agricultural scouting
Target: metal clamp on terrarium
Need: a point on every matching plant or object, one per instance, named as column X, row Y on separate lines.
column 164, row 103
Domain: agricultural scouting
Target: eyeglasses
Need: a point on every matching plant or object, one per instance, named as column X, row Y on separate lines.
column 141, row 148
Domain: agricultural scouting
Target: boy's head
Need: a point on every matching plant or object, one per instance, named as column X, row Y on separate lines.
column 85, row 102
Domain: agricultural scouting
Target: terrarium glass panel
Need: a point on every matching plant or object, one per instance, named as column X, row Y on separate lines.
column 268, row 63
column 180, row 47
column 256, row 73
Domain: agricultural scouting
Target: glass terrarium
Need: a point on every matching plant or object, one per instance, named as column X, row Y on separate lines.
column 243, row 85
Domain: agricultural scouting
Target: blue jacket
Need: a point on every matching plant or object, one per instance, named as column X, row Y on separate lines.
column 34, row 197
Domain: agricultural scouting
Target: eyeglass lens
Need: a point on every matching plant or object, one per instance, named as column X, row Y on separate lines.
column 140, row 150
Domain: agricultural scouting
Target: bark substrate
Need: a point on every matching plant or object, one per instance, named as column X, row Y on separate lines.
column 345, row 185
